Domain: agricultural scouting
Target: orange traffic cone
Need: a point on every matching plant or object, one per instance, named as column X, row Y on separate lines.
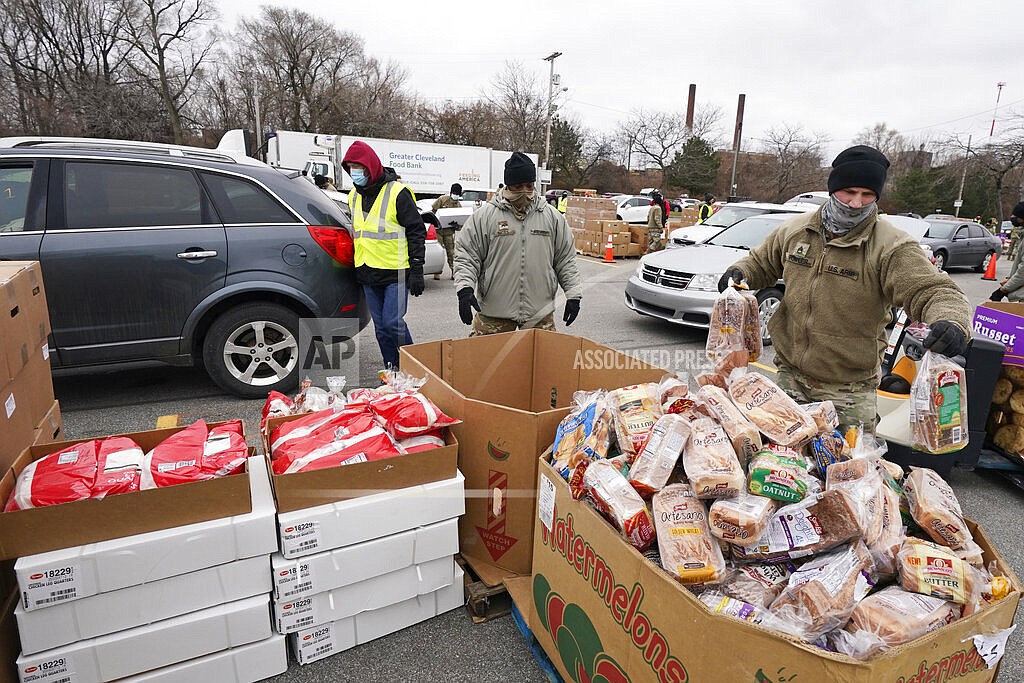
column 608, row 257
column 990, row 272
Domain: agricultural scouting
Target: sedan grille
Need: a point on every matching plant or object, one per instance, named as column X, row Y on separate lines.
column 672, row 279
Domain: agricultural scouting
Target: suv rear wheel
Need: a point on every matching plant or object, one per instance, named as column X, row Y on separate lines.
column 253, row 349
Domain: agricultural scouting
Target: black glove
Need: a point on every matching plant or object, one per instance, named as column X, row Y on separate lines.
column 415, row 280
column 735, row 273
column 947, row 339
column 467, row 302
column 572, row 309
column 998, row 295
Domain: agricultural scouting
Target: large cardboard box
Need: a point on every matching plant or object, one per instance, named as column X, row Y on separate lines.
column 245, row 664
column 24, row 320
column 1004, row 323
column 301, row 490
column 50, row 427
column 38, row 530
column 602, row 608
column 511, row 391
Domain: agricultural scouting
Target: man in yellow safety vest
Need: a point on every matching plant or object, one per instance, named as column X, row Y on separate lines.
column 389, row 246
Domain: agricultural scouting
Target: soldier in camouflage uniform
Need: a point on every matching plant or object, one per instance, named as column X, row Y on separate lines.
column 855, row 401
column 655, row 222
column 446, row 235
column 484, row 325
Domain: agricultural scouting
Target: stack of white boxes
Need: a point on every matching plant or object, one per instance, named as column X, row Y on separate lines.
column 353, row 571
column 180, row 605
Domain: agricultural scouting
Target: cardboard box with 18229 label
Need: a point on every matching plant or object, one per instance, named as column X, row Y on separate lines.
column 38, row 530
column 511, row 391
column 600, row 609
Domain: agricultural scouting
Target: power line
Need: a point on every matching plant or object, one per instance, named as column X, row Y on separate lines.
column 969, row 116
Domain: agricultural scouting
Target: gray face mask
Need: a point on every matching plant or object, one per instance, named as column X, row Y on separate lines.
column 839, row 218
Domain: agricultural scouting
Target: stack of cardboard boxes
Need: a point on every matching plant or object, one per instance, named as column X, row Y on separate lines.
column 29, row 414
column 176, row 603
column 366, row 550
column 592, row 221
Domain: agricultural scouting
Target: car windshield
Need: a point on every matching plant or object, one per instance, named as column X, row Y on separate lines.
column 746, row 234
column 727, row 215
column 940, row 229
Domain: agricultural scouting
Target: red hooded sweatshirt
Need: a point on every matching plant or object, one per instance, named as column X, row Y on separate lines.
column 362, row 153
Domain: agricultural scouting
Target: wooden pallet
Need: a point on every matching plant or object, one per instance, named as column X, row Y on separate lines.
column 539, row 656
column 483, row 602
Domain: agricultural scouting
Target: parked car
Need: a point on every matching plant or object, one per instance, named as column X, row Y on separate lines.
column 632, row 208
column 726, row 215
column 552, row 195
column 815, row 198
column 961, row 243
column 681, row 285
column 176, row 254
column 688, row 202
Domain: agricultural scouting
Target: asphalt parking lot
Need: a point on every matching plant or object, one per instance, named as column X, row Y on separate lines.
column 450, row 647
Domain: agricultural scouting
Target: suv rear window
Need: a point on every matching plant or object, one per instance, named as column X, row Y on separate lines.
column 240, row 201
column 14, row 184
column 114, row 195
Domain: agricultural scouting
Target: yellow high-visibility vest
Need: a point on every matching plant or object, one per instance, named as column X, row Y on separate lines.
column 379, row 238
column 563, row 201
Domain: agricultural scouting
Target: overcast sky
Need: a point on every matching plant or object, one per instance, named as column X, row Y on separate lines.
column 835, row 67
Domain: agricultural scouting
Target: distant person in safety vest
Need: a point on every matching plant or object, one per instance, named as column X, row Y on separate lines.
column 513, row 253
column 389, row 246
column 563, row 202
column 446, row 233
column 845, row 268
column 707, row 208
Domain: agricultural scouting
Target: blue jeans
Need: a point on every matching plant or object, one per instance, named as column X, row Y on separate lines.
column 387, row 306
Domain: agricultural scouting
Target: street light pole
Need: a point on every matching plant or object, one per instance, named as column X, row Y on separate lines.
column 551, row 83
column 999, row 91
column 963, row 178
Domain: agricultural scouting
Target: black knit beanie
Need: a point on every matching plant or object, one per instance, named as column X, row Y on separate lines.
column 519, row 169
column 859, row 166
column 1018, row 211
column 456, row 188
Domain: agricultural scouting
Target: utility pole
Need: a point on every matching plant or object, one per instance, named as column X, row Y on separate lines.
column 736, row 139
column 551, row 83
column 999, row 91
column 963, row 178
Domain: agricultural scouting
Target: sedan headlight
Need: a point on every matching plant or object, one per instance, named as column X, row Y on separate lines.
column 705, row 282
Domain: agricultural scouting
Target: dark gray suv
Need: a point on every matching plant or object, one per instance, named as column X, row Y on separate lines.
column 177, row 254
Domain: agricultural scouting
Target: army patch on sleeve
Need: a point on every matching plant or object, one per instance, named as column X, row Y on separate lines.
column 799, row 254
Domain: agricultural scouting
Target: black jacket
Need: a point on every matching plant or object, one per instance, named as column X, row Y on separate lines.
column 408, row 217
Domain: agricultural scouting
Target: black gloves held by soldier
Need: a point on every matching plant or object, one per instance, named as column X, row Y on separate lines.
column 572, row 309
column 415, row 280
column 735, row 273
column 946, row 338
column 467, row 302
column 998, row 295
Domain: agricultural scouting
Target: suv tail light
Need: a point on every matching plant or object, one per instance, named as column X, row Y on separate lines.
column 336, row 242
column 431, row 232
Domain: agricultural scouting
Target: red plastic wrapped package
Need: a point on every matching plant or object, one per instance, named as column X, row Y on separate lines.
column 342, row 426
column 423, row 442
column 62, row 477
column 410, row 413
column 178, row 459
column 325, row 421
column 225, row 450
column 372, row 444
column 277, row 405
column 118, row 467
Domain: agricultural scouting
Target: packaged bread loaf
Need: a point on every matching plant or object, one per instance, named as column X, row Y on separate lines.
column 824, row 415
column 827, row 588
column 727, row 329
column 774, row 477
column 890, row 538
column 938, row 406
column 745, row 438
column 812, row 526
column 718, row 602
column 936, row 510
column 758, row 584
column 861, row 479
column 773, row 412
column 584, row 434
column 752, row 327
column 637, row 408
column 688, row 551
column 710, row 462
column 892, row 617
column 619, row 502
column 741, row 520
column 654, row 465
column 932, row 569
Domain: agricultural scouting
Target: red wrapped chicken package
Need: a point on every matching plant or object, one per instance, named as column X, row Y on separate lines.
column 325, row 421
column 343, row 426
column 410, row 413
column 277, row 405
column 118, row 467
column 423, row 442
column 62, row 477
column 619, row 502
column 225, row 450
column 371, row 444
column 178, row 459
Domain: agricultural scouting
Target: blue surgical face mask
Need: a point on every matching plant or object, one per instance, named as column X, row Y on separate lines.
column 456, row 197
column 359, row 178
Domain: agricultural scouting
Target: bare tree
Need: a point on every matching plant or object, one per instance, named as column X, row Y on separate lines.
column 373, row 103
column 655, row 136
column 797, row 160
column 886, row 140
column 521, row 106
column 1001, row 160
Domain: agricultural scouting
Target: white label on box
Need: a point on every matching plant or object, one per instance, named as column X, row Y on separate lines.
column 51, row 586
column 316, row 645
column 9, row 406
column 297, row 615
column 293, row 581
column 992, row 646
column 46, row 352
column 546, row 502
column 300, row 538
column 56, row 670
